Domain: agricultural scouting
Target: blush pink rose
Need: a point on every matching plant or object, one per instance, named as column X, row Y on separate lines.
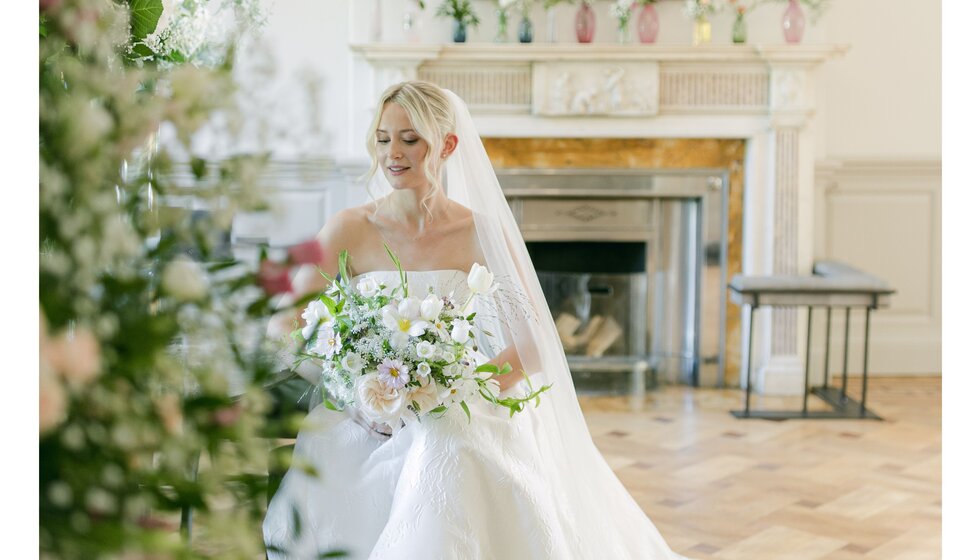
column 78, row 359
column 308, row 252
column 274, row 278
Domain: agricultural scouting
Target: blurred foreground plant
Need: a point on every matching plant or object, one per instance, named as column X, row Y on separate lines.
column 151, row 335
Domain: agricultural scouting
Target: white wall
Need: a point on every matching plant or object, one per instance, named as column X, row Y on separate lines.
column 877, row 139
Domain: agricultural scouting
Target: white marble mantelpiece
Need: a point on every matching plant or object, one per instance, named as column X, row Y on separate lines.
column 764, row 94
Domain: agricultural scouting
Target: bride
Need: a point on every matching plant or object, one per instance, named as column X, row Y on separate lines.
column 531, row 486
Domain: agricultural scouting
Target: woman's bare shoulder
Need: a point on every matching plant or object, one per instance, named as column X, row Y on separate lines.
column 346, row 225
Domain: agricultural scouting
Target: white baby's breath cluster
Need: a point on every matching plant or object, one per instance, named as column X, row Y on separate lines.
column 397, row 357
column 697, row 9
column 622, row 10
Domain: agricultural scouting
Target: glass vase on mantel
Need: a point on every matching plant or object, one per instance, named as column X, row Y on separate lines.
column 525, row 31
column 585, row 23
column 794, row 21
column 647, row 24
column 412, row 22
column 501, row 36
column 702, row 31
column 459, row 31
column 552, row 28
column 740, row 32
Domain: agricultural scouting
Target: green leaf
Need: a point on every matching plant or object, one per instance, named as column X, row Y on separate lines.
column 344, row 262
column 333, row 554
column 143, row 17
column 488, row 368
column 329, row 405
column 466, row 409
column 199, row 167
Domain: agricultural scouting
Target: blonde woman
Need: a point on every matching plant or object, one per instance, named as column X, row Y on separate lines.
column 531, row 486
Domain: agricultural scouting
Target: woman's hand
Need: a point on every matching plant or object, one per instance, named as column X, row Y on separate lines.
column 380, row 432
column 509, row 356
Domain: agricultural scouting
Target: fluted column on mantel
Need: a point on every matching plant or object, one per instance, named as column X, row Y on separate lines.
column 790, row 173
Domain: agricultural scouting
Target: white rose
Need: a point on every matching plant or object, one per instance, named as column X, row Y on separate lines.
column 425, row 396
column 480, row 280
column 353, row 363
column 425, row 350
column 184, row 279
column 368, row 287
column 461, row 331
column 431, row 307
column 379, row 402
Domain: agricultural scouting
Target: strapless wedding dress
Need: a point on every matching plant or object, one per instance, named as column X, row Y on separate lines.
column 443, row 488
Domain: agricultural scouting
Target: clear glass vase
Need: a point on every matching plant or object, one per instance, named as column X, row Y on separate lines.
column 412, row 22
column 624, row 32
column 552, row 27
column 501, row 36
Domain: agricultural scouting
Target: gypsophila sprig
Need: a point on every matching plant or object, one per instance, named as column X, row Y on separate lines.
column 396, row 357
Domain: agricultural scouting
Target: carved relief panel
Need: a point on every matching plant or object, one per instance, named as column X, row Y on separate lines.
column 596, row 88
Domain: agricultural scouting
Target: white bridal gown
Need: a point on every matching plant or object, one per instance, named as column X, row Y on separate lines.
column 441, row 489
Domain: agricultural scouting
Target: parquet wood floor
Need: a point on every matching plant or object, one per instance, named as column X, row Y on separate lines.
column 722, row 488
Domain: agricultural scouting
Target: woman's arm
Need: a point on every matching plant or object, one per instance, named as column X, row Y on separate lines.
column 510, row 356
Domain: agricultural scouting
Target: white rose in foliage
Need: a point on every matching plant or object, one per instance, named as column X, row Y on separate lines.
column 184, row 279
column 378, row 401
column 480, row 280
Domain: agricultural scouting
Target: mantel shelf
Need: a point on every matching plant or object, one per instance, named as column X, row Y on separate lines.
column 546, row 52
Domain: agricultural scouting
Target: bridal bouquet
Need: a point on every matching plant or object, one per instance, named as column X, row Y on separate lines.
column 396, row 357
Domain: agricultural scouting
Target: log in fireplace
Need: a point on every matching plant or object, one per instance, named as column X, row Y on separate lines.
column 632, row 264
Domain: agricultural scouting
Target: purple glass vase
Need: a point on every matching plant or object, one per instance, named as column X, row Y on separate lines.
column 585, row 23
column 648, row 24
column 794, row 21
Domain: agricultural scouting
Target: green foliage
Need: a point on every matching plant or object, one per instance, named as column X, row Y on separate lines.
column 146, row 327
column 143, row 17
column 459, row 10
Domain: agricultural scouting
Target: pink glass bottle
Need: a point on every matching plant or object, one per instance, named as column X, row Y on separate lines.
column 648, row 24
column 794, row 21
column 585, row 23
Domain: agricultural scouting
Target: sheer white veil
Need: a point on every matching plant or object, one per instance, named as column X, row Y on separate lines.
column 587, row 488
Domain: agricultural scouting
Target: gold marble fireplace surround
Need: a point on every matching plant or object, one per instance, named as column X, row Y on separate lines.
column 653, row 154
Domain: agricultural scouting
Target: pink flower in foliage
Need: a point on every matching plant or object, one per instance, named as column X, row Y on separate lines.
column 274, row 278
column 308, row 252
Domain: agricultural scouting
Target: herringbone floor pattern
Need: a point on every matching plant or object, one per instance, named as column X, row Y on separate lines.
column 719, row 487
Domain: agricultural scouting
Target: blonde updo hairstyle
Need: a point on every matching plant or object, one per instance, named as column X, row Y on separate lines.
column 432, row 116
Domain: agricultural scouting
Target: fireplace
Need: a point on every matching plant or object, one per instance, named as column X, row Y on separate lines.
column 630, row 262
column 757, row 100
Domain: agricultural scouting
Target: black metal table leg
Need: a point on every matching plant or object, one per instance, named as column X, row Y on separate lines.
column 826, row 353
column 748, row 372
column 864, row 374
column 847, row 339
column 806, row 367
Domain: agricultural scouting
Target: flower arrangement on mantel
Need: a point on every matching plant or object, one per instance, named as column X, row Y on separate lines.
column 462, row 13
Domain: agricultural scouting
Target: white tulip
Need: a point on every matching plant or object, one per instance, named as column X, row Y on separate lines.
column 368, row 287
column 431, row 307
column 461, row 331
column 480, row 280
